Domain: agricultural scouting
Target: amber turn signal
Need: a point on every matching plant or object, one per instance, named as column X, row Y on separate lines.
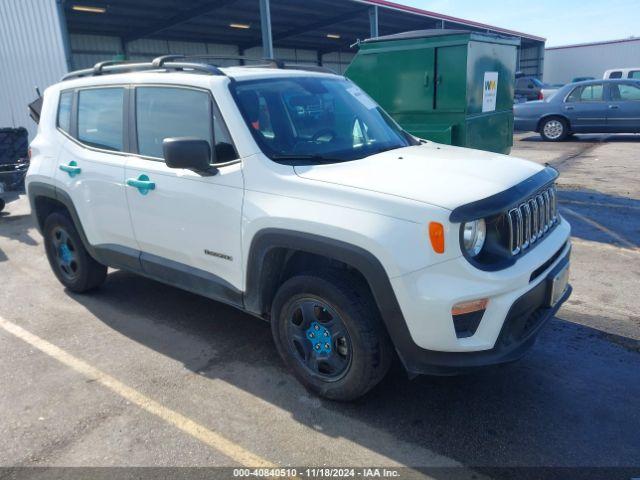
column 469, row 307
column 436, row 234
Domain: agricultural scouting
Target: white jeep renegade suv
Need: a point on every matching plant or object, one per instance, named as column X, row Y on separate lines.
column 290, row 194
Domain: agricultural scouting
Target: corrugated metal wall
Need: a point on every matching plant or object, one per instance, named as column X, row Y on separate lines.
column 87, row 50
column 564, row 64
column 531, row 59
column 28, row 59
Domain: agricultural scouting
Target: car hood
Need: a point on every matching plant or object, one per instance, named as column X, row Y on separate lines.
column 432, row 173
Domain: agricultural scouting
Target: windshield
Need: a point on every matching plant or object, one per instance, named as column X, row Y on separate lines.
column 316, row 119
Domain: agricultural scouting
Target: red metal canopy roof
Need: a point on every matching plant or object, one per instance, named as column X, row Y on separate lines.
column 462, row 21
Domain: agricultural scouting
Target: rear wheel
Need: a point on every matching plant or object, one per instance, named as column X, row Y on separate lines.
column 329, row 332
column 554, row 129
column 69, row 260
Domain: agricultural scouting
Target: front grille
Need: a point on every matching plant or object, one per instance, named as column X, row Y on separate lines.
column 532, row 219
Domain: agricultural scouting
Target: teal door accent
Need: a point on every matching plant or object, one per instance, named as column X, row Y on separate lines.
column 142, row 183
column 72, row 168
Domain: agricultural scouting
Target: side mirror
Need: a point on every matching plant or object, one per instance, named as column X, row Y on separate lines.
column 187, row 152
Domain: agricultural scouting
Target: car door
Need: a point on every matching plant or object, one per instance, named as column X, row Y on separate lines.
column 586, row 109
column 624, row 107
column 188, row 224
column 91, row 164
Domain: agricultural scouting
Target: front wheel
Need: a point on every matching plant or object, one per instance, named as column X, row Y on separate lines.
column 329, row 333
column 554, row 129
column 69, row 260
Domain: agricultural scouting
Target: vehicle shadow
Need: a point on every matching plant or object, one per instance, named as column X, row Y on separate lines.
column 572, row 401
column 600, row 217
column 15, row 227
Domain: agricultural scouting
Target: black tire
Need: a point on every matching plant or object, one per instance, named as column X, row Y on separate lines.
column 554, row 129
column 2, row 204
column 368, row 347
column 69, row 260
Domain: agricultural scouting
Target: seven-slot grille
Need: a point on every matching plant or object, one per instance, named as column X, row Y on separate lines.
column 532, row 219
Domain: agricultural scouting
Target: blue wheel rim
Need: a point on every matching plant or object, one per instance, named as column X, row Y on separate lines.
column 318, row 339
column 66, row 254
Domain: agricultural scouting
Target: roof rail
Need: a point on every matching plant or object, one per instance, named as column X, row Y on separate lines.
column 160, row 63
column 168, row 62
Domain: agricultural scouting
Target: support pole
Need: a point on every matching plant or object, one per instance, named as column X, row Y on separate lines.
column 265, row 25
column 373, row 21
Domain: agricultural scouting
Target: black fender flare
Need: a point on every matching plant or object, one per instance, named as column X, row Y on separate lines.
column 356, row 257
column 37, row 190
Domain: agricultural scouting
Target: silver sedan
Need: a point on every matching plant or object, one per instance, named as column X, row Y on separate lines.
column 596, row 106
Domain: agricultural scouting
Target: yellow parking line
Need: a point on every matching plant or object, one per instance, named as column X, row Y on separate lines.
column 205, row 435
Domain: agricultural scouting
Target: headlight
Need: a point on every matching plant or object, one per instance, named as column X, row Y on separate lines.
column 473, row 237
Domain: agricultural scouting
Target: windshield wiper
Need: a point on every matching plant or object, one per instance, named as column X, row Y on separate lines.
column 315, row 158
column 385, row 149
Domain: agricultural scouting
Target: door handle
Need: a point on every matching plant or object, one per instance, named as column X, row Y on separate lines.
column 142, row 183
column 613, row 107
column 568, row 108
column 72, row 168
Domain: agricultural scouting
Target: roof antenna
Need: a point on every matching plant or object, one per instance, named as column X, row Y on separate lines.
column 38, row 92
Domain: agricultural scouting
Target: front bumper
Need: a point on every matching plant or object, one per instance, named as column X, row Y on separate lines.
column 524, row 321
column 514, row 316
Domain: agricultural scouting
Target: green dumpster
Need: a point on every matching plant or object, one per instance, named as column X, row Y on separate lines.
column 449, row 86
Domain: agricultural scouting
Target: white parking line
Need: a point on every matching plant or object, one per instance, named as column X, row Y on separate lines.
column 599, row 204
column 215, row 440
column 605, row 246
column 620, row 239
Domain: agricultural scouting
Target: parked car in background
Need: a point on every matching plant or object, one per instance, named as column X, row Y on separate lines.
column 549, row 90
column 14, row 163
column 595, row 106
column 528, row 88
column 633, row 73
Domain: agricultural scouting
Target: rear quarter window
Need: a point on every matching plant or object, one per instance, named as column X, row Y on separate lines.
column 63, row 121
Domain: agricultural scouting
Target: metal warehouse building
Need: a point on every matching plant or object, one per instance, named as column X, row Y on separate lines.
column 41, row 40
column 590, row 59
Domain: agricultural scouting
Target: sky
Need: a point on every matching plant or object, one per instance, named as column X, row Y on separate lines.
column 561, row 22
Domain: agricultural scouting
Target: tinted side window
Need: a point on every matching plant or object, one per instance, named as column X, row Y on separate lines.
column 615, row 75
column 64, row 111
column 628, row 92
column 634, row 74
column 170, row 112
column 588, row 93
column 100, row 117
